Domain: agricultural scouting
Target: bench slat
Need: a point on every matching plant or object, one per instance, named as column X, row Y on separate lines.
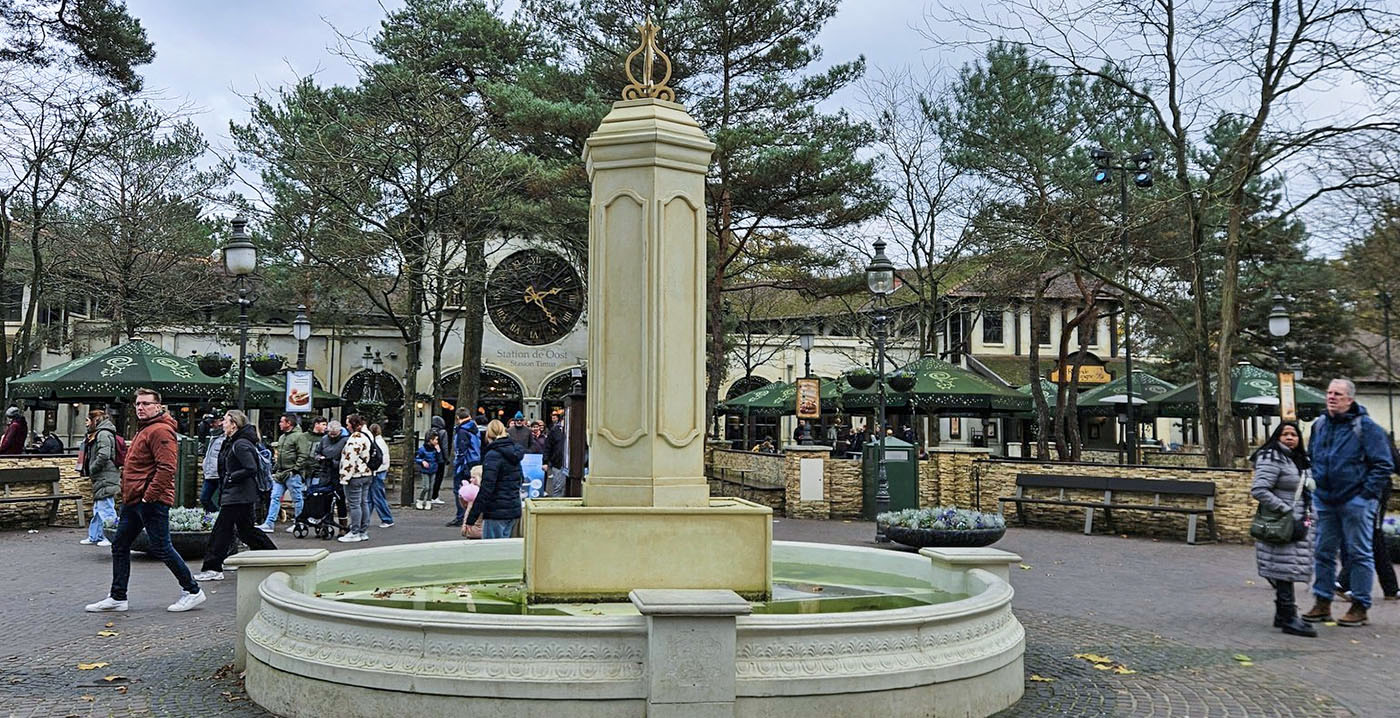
column 29, row 474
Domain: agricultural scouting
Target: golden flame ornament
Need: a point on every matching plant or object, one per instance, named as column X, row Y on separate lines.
column 648, row 86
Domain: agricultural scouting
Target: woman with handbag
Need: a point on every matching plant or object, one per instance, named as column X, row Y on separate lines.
column 1282, row 527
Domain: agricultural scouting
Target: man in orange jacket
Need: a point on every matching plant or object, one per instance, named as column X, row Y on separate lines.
column 148, row 492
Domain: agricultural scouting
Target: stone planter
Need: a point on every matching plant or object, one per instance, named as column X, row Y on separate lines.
column 214, row 367
column 189, row 544
column 943, row 537
column 266, row 367
column 861, row 381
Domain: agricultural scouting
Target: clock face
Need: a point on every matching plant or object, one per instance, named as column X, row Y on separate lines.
column 534, row 297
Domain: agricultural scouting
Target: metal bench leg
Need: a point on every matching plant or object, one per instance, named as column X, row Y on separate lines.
column 1021, row 512
column 53, row 513
column 1191, row 529
column 1210, row 525
column 78, row 502
column 1088, row 520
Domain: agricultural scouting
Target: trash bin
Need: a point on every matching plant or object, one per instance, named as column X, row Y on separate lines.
column 188, row 476
column 901, row 469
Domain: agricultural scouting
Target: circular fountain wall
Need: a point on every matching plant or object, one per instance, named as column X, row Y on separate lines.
column 340, row 646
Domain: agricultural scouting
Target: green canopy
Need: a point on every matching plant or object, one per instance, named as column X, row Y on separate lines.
column 1110, row 398
column 1049, row 388
column 114, row 373
column 780, row 398
column 1254, row 393
column 940, row 386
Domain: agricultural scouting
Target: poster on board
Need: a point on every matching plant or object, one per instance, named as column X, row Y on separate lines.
column 1287, row 402
column 299, row 388
column 809, row 399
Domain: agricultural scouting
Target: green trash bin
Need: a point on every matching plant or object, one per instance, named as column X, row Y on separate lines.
column 901, row 469
column 187, row 471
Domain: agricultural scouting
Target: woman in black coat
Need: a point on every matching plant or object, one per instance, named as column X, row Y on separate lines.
column 498, row 501
column 238, row 483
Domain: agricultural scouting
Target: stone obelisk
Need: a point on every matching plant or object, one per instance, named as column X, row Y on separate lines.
column 646, row 519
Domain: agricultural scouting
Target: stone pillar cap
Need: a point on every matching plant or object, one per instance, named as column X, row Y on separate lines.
column 970, row 556
column 280, row 557
column 689, row 602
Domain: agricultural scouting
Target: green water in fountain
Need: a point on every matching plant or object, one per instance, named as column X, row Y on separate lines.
column 498, row 587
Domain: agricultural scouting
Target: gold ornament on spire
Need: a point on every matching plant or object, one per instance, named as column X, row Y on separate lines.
column 648, row 86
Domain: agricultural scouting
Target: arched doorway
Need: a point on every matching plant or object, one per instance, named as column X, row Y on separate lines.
column 734, row 428
column 498, row 393
column 557, row 389
column 366, row 387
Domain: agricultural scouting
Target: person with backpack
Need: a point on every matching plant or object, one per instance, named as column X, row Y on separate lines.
column 244, row 476
column 357, row 467
column 377, row 499
column 1351, row 465
column 101, row 461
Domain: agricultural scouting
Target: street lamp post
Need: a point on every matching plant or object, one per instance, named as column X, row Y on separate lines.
column 241, row 260
column 301, row 331
column 1279, row 326
column 879, row 278
column 1389, row 371
column 805, row 340
column 1105, row 164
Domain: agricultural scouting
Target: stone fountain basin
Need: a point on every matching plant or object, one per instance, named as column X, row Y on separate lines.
column 312, row 656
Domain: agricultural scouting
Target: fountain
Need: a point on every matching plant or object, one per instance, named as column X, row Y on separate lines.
column 647, row 597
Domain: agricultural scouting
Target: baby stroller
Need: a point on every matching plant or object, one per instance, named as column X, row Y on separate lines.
column 318, row 511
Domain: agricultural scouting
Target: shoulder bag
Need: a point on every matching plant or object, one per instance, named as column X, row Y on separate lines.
column 1273, row 526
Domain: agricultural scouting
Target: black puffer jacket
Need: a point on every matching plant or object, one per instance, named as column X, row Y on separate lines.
column 238, row 468
column 499, row 497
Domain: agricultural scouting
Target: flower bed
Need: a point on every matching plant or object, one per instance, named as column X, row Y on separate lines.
column 942, row 526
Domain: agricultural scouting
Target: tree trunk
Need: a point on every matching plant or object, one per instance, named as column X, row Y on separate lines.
column 1229, row 324
column 1042, row 409
column 473, row 324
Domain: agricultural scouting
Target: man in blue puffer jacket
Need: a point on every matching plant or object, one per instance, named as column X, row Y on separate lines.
column 466, row 453
column 1351, row 464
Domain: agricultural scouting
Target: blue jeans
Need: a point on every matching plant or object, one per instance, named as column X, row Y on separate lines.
column 357, row 496
column 378, row 501
column 155, row 520
column 294, row 485
column 206, row 495
column 103, row 510
column 497, row 528
column 1351, row 526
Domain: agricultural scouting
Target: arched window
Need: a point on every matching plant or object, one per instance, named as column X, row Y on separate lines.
column 498, row 392
column 745, row 385
column 368, row 386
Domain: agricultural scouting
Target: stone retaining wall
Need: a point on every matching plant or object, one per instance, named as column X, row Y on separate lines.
column 33, row 513
column 763, row 469
column 1234, row 507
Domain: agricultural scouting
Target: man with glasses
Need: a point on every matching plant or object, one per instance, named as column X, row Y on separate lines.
column 148, row 492
column 1350, row 463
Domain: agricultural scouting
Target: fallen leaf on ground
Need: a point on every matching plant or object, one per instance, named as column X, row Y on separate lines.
column 1242, row 658
column 1330, row 623
column 121, row 689
column 1248, row 582
column 89, row 699
column 109, row 679
column 108, row 624
column 1041, row 679
column 106, row 634
column 1123, row 670
column 1093, row 658
column 1025, row 567
column 90, row 666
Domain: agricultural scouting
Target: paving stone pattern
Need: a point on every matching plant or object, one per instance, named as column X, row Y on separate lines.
column 1176, row 615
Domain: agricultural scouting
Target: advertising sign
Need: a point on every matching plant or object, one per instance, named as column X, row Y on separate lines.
column 1287, row 404
column 809, row 399
column 299, row 386
column 532, row 472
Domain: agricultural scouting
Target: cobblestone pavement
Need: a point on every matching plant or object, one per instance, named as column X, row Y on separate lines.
column 1176, row 615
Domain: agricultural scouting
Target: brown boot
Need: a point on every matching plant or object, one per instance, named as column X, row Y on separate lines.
column 1355, row 616
column 1321, row 611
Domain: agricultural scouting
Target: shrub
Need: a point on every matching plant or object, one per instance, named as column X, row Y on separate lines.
column 943, row 518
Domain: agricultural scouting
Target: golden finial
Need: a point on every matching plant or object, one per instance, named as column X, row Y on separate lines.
column 648, row 87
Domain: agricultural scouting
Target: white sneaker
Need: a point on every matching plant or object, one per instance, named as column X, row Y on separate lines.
column 87, row 542
column 439, row 502
column 418, row 505
column 209, row 576
column 349, row 538
column 267, row 529
column 386, row 525
column 187, row 601
column 106, row 604
column 364, row 536
column 104, row 542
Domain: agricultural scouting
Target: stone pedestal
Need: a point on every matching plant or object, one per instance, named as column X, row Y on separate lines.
column 950, row 565
column 253, row 567
column 690, row 651
column 646, row 307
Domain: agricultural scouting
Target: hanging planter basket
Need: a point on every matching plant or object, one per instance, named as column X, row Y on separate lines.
column 902, row 382
column 214, row 365
column 861, row 380
column 266, row 366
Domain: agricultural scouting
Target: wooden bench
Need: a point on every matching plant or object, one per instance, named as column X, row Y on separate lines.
column 38, row 475
column 1111, row 486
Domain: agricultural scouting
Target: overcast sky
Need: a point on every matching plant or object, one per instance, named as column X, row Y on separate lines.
column 212, row 54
